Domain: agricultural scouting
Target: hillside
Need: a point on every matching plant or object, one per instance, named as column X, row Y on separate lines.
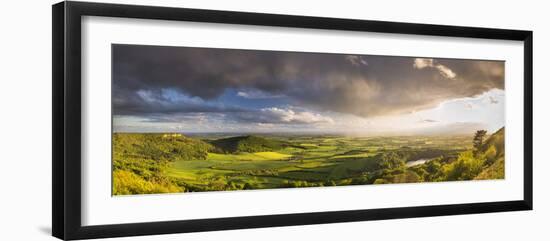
column 172, row 162
column 140, row 161
column 493, row 149
column 246, row 144
column 496, row 140
column 159, row 146
column 486, row 163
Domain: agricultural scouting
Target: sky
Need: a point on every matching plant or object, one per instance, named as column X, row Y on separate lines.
column 198, row 90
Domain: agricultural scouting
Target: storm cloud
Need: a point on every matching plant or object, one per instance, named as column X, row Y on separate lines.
column 152, row 80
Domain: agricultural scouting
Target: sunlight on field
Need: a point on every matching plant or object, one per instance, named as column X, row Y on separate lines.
column 354, row 155
column 269, row 155
column 257, row 156
column 188, row 164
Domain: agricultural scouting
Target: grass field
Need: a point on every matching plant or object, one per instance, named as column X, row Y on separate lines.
column 213, row 164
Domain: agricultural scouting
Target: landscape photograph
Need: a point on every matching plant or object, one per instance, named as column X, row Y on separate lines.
column 189, row 119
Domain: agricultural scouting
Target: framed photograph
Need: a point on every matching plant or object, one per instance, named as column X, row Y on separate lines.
column 171, row 120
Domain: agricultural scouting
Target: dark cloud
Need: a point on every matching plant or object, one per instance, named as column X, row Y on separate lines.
column 360, row 85
column 272, row 115
column 157, row 102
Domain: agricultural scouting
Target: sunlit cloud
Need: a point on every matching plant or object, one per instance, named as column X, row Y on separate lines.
column 285, row 116
column 357, row 60
column 257, row 94
column 247, row 90
column 421, row 63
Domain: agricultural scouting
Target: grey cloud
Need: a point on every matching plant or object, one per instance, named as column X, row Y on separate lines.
column 158, row 102
column 322, row 82
column 264, row 116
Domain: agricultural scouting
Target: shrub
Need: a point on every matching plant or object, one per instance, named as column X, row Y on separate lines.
column 490, row 154
column 407, row 177
column 380, row 181
column 466, row 167
column 126, row 182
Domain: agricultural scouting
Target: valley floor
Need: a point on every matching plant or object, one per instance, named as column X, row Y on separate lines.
column 159, row 163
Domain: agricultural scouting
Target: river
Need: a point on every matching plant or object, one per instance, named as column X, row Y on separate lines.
column 417, row 162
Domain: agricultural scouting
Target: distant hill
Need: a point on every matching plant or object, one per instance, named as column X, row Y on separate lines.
column 160, row 146
column 493, row 148
column 246, row 144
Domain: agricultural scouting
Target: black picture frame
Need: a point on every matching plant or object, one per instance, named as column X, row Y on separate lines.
column 66, row 47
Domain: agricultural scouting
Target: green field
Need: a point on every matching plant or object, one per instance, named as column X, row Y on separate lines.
column 171, row 162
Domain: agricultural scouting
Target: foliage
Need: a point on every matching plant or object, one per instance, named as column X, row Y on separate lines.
column 466, row 167
column 127, row 182
column 406, row 177
column 490, row 155
column 494, row 171
column 391, row 160
column 246, row 144
column 140, row 161
column 165, row 163
column 478, row 141
column 160, row 146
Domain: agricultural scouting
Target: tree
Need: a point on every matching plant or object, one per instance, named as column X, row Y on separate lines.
column 434, row 170
column 391, row 160
column 466, row 167
column 248, row 186
column 478, row 141
column 380, row 181
column 406, row 177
